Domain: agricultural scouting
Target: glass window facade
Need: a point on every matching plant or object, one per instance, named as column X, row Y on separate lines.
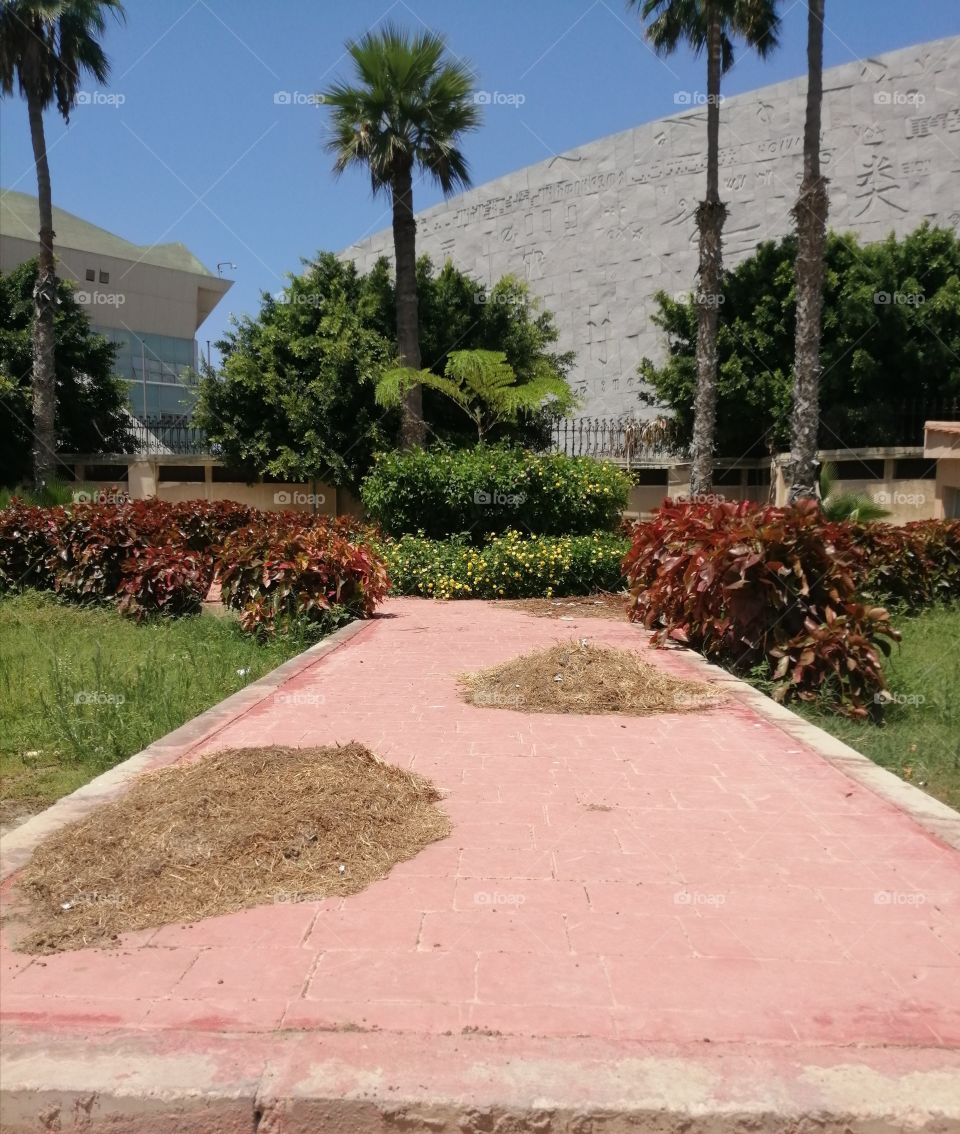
column 155, row 366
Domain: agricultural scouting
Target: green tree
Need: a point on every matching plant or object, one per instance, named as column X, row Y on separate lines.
column 485, row 387
column 709, row 26
column 811, row 216
column 46, row 48
column 91, row 401
column 891, row 334
column 294, row 397
column 408, row 108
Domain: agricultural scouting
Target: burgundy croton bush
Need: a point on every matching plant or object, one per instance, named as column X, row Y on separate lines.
column 750, row 585
column 149, row 557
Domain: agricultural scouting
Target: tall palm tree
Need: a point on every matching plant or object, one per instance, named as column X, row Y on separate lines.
column 46, row 46
column 407, row 110
column 710, row 26
column 810, row 212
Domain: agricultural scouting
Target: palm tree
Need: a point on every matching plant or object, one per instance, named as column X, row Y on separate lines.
column 45, row 48
column 408, row 109
column 711, row 26
column 811, row 216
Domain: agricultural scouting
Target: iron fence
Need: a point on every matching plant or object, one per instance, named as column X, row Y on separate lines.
column 166, row 435
column 624, row 439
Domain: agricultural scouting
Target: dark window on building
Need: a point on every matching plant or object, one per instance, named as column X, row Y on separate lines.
column 91, row 275
column 915, row 468
column 726, row 477
column 112, row 473
column 858, row 470
column 655, row 477
column 185, row 474
column 233, row 476
column 758, row 476
column 104, row 277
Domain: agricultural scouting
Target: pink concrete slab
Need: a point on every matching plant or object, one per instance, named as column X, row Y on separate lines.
column 247, row 973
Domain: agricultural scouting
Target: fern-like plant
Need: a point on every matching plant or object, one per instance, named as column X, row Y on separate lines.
column 852, row 506
column 484, row 385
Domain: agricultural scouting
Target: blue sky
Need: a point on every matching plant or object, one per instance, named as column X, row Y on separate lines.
column 196, row 148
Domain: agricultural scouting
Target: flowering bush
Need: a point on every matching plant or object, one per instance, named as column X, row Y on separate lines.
column 508, row 566
column 491, row 489
column 747, row 585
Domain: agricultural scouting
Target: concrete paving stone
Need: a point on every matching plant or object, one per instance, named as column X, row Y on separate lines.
column 432, row 976
column 104, row 973
column 244, row 972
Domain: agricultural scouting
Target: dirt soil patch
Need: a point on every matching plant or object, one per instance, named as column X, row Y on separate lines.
column 239, row 828
column 603, row 605
column 577, row 677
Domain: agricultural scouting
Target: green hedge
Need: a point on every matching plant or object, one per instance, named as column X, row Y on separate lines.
column 491, row 489
column 507, row 566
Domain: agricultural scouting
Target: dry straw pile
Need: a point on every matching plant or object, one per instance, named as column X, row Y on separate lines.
column 577, row 677
column 236, row 829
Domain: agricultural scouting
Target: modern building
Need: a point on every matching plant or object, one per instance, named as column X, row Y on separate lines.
column 599, row 230
column 150, row 300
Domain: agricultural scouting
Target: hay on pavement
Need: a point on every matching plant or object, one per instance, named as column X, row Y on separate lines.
column 236, row 829
column 577, row 677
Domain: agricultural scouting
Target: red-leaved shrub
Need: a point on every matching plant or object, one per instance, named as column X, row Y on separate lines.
column 746, row 584
column 150, row 557
column 164, row 580
column 279, row 570
column 912, row 565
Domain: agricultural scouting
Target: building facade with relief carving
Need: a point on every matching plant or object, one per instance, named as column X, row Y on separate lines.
column 597, row 231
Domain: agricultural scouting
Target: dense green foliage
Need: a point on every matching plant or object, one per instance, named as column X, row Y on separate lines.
column 91, row 400
column 295, row 397
column 492, row 488
column 891, row 332
column 508, row 566
column 484, row 386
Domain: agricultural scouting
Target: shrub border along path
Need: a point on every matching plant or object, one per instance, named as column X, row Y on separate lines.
column 233, row 1076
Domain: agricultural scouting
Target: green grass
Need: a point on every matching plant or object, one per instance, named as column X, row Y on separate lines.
column 919, row 738
column 82, row 688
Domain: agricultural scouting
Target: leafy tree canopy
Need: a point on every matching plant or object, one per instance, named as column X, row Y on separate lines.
column 891, row 335
column 91, row 400
column 295, row 396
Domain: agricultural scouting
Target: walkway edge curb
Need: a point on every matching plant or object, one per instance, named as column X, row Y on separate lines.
column 18, row 845
column 936, row 818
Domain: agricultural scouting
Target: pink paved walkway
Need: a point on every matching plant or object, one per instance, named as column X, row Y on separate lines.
column 674, row 879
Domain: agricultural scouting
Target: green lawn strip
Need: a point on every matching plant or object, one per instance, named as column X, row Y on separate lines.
column 82, row 688
column 919, row 737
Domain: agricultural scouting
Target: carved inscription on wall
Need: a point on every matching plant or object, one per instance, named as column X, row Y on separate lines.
column 597, row 232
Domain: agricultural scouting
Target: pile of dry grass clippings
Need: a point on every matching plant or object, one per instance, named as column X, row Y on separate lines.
column 236, row 829
column 577, row 677
column 601, row 605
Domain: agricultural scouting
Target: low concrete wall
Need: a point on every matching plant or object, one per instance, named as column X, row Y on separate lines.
column 175, row 478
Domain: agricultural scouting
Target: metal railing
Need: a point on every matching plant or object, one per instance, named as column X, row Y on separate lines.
column 627, row 440
column 168, row 435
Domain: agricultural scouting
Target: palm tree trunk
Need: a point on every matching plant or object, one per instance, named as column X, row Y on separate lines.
column 412, row 429
column 811, row 216
column 44, row 303
column 711, row 214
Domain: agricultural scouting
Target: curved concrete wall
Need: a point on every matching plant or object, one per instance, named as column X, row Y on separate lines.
column 598, row 230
